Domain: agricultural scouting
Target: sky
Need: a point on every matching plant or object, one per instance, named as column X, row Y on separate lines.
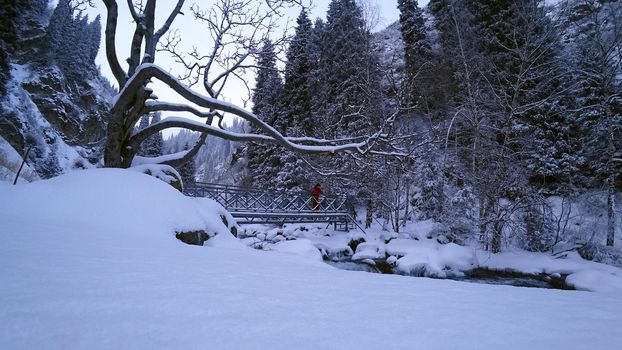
column 193, row 34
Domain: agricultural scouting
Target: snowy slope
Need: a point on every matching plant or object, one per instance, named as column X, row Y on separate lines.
column 89, row 260
column 10, row 161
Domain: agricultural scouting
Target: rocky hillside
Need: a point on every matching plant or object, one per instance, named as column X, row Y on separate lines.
column 61, row 117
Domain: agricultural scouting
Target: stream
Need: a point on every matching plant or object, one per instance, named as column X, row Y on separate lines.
column 477, row 275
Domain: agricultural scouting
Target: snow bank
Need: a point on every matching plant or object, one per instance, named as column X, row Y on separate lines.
column 89, row 261
column 582, row 274
column 114, row 198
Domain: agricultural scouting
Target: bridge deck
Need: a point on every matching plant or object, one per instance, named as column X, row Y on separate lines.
column 252, row 205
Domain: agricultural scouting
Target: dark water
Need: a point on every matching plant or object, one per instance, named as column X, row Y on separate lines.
column 479, row 275
column 515, row 279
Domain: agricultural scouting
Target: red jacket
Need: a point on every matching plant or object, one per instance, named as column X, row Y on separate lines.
column 317, row 192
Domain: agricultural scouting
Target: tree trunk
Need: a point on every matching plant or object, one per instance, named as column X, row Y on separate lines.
column 370, row 210
column 114, row 140
column 407, row 205
column 482, row 223
column 397, row 205
column 496, row 236
column 611, row 219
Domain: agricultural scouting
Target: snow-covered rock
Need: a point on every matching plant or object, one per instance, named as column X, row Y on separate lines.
column 429, row 258
column 369, row 250
column 163, row 172
column 302, row 247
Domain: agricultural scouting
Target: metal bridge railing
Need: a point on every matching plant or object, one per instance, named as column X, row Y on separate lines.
column 253, row 205
column 236, row 199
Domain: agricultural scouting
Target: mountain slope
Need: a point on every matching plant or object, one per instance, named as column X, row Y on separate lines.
column 62, row 119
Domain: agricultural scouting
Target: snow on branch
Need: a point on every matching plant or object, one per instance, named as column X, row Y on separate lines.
column 148, row 71
column 177, row 122
column 152, row 106
column 140, row 160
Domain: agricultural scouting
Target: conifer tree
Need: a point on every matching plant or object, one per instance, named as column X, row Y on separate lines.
column 268, row 85
column 295, row 109
column 351, row 72
column 144, row 122
column 597, row 29
column 346, row 92
column 155, row 142
column 417, row 54
column 452, row 21
column 72, row 42
column 8, row 36
column 296, row 97
column 61, row 33
column 188, row 170
column 154, row 145
column 264, row 161
column 93, row 39
column 318, row 73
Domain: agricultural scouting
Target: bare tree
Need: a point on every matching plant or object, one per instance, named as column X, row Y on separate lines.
column 236, row 28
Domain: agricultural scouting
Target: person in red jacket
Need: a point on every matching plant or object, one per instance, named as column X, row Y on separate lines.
column 316, row 192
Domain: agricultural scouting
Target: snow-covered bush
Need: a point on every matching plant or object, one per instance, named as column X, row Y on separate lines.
column 601, row 253
column 460, row 216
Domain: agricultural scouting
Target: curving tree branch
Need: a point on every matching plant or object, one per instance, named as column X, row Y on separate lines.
column 112, row 11
column 236, row 28
column 178, row 122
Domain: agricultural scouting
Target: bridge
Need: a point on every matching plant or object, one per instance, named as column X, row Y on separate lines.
column 257, row 206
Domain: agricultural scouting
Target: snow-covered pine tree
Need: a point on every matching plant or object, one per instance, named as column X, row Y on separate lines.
column 345, row 84
column 144, row 122
column 534, row 80
column 479, row 129
column 295, row 109
column 154, row 145
column 317, row 74
column 268, row 85
column 60, row 31
column 264, row 160
column 72, row 41
column 155, row 142
column 8, row 36
column 93, row 39
column 188, row 170
column 351, row 73
column 454, row 39
column 597, row 34
column 417, row 55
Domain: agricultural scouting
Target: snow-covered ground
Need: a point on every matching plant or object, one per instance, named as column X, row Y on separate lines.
column 90, row 260
column 417, row 251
